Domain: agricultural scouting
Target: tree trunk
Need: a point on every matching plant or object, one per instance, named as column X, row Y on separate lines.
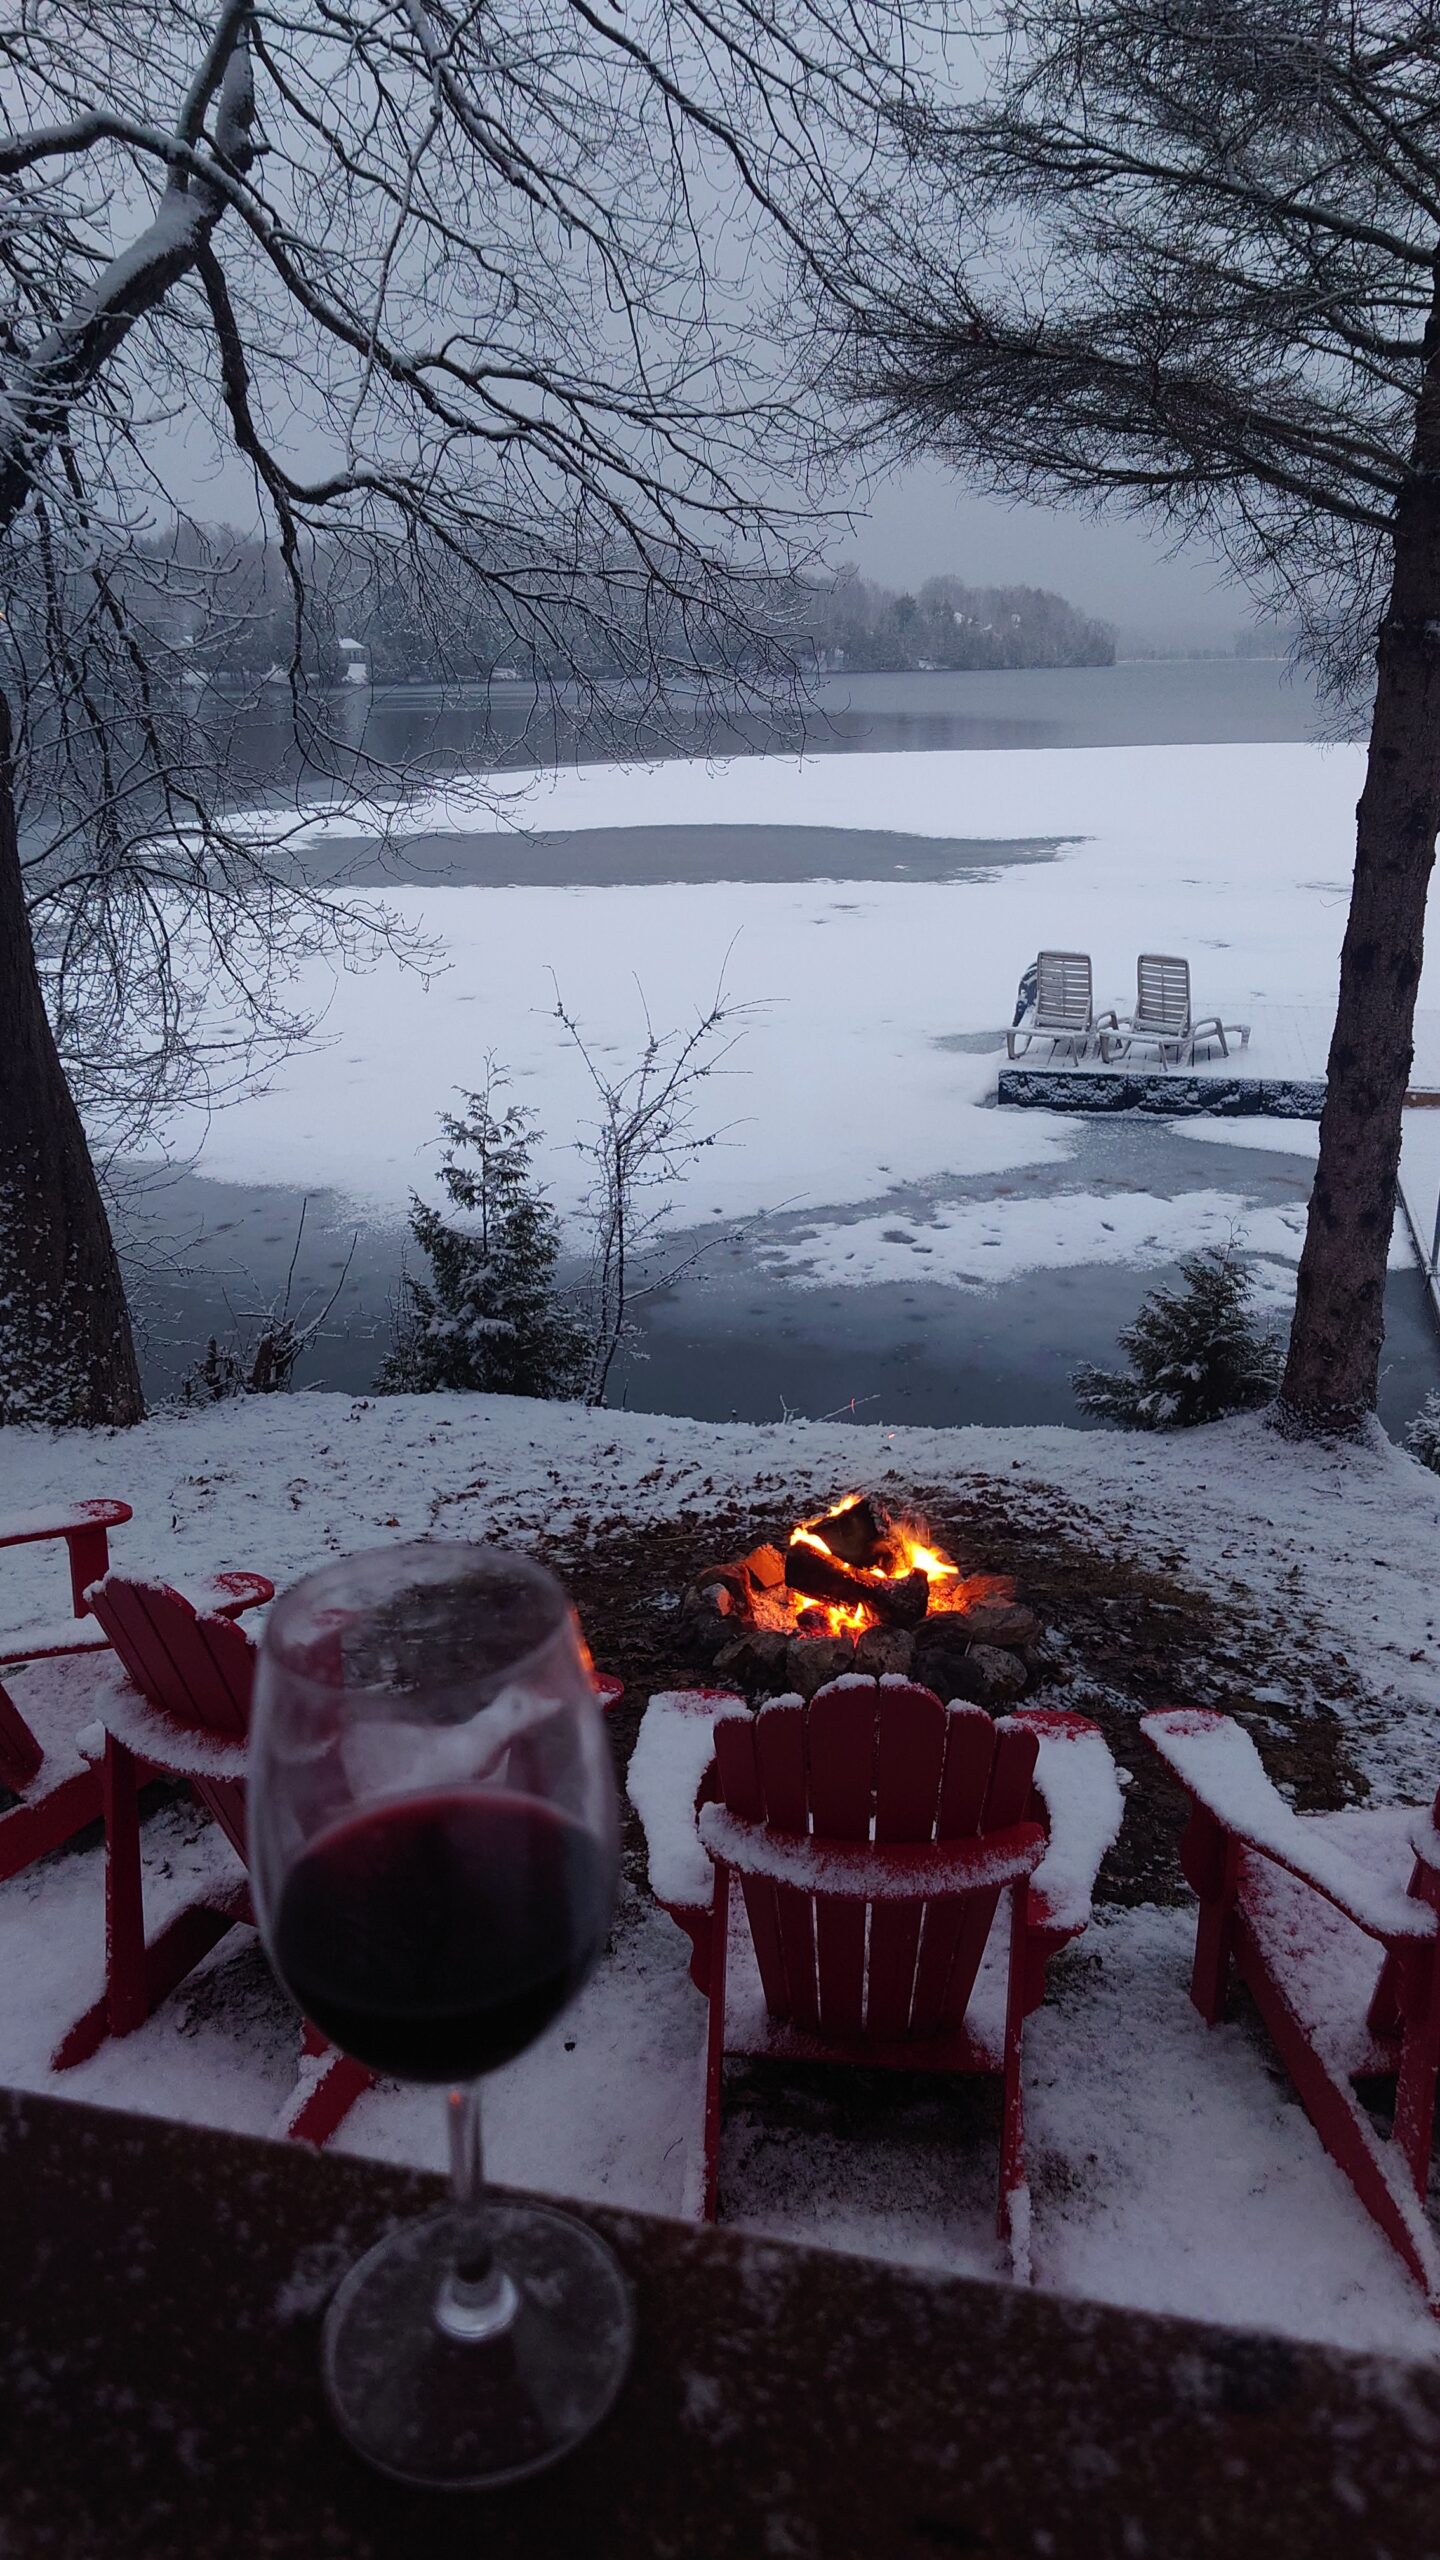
column 66, row 1350
column 1333, row 1369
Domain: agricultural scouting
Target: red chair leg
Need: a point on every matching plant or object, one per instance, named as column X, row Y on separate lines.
column 127, row 2002
column 1209, row 1864
column 1012, row 2119
column 89, row 1553
column 1419, row 2058
column 319, row 2106
column 21, row 1758
column 715, row 2041
column 176, row 1950
column 30, row 1830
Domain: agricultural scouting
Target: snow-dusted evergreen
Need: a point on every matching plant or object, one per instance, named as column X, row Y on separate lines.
column 1423, row 1437
column 1195, row 1353
column 489, row 1316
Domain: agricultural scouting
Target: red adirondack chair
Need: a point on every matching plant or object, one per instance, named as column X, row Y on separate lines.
column 175, row 1697
column 874, row 1834
column 1330, row 1920
column 42, row 1710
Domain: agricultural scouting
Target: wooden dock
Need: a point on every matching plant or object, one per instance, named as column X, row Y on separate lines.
column 1280, row 1076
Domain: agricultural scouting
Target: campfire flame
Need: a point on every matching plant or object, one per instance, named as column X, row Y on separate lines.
column 908, row 1549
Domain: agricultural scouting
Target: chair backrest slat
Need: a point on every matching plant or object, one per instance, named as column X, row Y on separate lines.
column 1162, row 992
column 969, row 1754
column 909, row 1762
column 1007, row 1800
column 224, row 1800
column 780, row 1753
column 889, row 1762
column 197, row 1670
column 1063, row 990
column 120, row 1608
column 840, row 1775
column 969, row 1750
column 737, row 1769
column 1012, row 1773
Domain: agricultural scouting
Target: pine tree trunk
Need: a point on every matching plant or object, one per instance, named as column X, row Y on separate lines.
column 66, row 1350
column 1332, row 1372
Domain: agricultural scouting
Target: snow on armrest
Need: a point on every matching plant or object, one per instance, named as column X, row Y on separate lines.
column 1217, row 1763
column 673, row 1750
column 856, row 1870
column 24, row 1528
column 1076, row 1782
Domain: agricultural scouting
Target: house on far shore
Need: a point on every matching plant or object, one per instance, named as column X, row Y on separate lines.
column 354, row 661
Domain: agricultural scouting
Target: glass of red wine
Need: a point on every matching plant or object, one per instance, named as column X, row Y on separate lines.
column 434, row 1850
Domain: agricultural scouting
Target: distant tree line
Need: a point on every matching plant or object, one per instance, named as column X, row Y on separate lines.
column 245, row 627
column 947, row 624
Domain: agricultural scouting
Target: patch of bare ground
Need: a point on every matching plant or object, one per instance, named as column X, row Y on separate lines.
column 1126, row 1631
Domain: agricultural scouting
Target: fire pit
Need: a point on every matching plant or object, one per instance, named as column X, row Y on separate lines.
column 860, row 1588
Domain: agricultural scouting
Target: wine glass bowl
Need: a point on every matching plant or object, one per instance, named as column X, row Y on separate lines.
column 434, row 1846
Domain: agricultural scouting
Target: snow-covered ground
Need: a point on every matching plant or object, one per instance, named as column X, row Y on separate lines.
column 1172, row 2167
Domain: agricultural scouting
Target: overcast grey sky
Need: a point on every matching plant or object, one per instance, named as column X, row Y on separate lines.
column 924, row 523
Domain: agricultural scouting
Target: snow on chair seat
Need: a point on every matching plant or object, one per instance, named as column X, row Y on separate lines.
column 1330, row 1921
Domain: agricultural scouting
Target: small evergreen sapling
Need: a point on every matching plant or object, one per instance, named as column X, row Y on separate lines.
column 1423, row 1437
column 1195, row 1352
column 489, row 1315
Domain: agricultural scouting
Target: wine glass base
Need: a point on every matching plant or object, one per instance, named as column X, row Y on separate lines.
column 451, row 2413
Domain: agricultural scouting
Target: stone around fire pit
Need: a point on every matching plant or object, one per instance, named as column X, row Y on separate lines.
column 993, row 1678
column 1001, row 1622
column 883, row 1649
column 755, row 1660
column 812, row 1660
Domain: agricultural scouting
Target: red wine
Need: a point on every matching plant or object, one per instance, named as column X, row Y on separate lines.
column 436, row 1937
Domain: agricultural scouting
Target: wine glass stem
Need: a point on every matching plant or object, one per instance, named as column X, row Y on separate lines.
column 476, row 2299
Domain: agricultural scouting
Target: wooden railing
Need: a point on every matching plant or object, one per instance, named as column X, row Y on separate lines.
column 160, row 2297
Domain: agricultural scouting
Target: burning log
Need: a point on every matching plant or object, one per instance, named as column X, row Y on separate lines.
column 858, row 1535
column 823, row 1577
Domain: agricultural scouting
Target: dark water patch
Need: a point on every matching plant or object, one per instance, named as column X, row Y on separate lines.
column 734, row 1341
column 648, row 857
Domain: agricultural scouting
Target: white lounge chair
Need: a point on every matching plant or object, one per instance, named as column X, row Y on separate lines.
column 1064, row 1011
column 1162, row 1019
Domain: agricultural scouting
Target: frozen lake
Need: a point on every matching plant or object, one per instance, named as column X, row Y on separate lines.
column 904, row 1246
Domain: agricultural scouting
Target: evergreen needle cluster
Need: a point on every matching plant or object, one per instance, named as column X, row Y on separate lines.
column 1195, row 1352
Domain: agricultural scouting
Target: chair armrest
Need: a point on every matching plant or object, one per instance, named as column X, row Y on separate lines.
column 674, row 1749
column 1220, row 1769
column 1076, row 1781
column 865, row 1871
column 24, row 1528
